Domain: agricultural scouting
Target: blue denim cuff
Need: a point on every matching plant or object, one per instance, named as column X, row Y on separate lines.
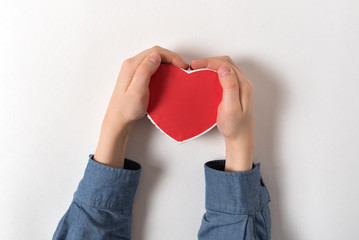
column 106, row 187
column 234, row 192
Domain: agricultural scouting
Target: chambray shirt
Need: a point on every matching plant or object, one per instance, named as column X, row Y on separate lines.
column 236, row 204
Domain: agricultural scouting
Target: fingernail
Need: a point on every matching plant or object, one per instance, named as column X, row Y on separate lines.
column 223, row 70
column 155, row 58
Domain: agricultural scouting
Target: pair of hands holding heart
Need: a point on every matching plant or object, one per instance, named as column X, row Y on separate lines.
column 130, row 100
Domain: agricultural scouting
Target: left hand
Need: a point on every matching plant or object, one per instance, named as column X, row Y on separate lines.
column 129, row 102
column 130, row 97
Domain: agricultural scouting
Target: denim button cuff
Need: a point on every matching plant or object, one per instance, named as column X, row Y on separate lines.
column 107, row 187
column 234, row 192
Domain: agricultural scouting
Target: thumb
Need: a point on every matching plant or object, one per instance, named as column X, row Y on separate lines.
column 230, row 86
column 145, row 70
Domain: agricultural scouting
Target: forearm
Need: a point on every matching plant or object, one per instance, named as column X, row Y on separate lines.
column 239, row 154
column 112, row 143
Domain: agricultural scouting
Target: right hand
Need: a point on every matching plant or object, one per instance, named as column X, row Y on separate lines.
column 235, row 116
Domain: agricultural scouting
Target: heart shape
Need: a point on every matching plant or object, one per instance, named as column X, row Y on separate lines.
column 183, row 104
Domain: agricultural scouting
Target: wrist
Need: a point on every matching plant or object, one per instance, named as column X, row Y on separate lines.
column 117, row 129
column 239, row 155
column 112, row 143
column 116, row 124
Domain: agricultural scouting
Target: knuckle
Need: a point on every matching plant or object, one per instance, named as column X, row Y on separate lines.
column 127, row 62
column 229, row 83
column 247, row 90
column 230, row 60
column 176, row 55
column 227, row 58
column 249, row 85
column 137, row 95
column 156, row 48
column 231, row 109
column 144, row 70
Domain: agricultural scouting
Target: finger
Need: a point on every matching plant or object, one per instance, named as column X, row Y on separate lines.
column 125, row 76
column 212, row 63
column 228, row 80
column 167, row 56
column 246, row 91
column 245, row 85
column 143, row 74
column 130, row 65
column 215, row 63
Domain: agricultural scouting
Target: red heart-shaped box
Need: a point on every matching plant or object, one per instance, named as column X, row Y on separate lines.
column 183, row 104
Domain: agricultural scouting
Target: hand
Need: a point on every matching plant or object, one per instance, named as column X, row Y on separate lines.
column 235, row 116
column 129, row 102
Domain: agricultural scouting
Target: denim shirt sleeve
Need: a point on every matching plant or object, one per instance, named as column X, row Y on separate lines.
column 102, row 205
column 236, row 204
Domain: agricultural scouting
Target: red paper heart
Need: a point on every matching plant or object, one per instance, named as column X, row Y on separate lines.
column 184, row 104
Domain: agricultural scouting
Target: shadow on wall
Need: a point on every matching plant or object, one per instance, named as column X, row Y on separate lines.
column 267, row 98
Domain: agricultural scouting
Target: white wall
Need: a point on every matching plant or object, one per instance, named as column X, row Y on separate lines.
column 59, row 61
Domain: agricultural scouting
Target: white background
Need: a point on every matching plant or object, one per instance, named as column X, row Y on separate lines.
column 59, row 61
